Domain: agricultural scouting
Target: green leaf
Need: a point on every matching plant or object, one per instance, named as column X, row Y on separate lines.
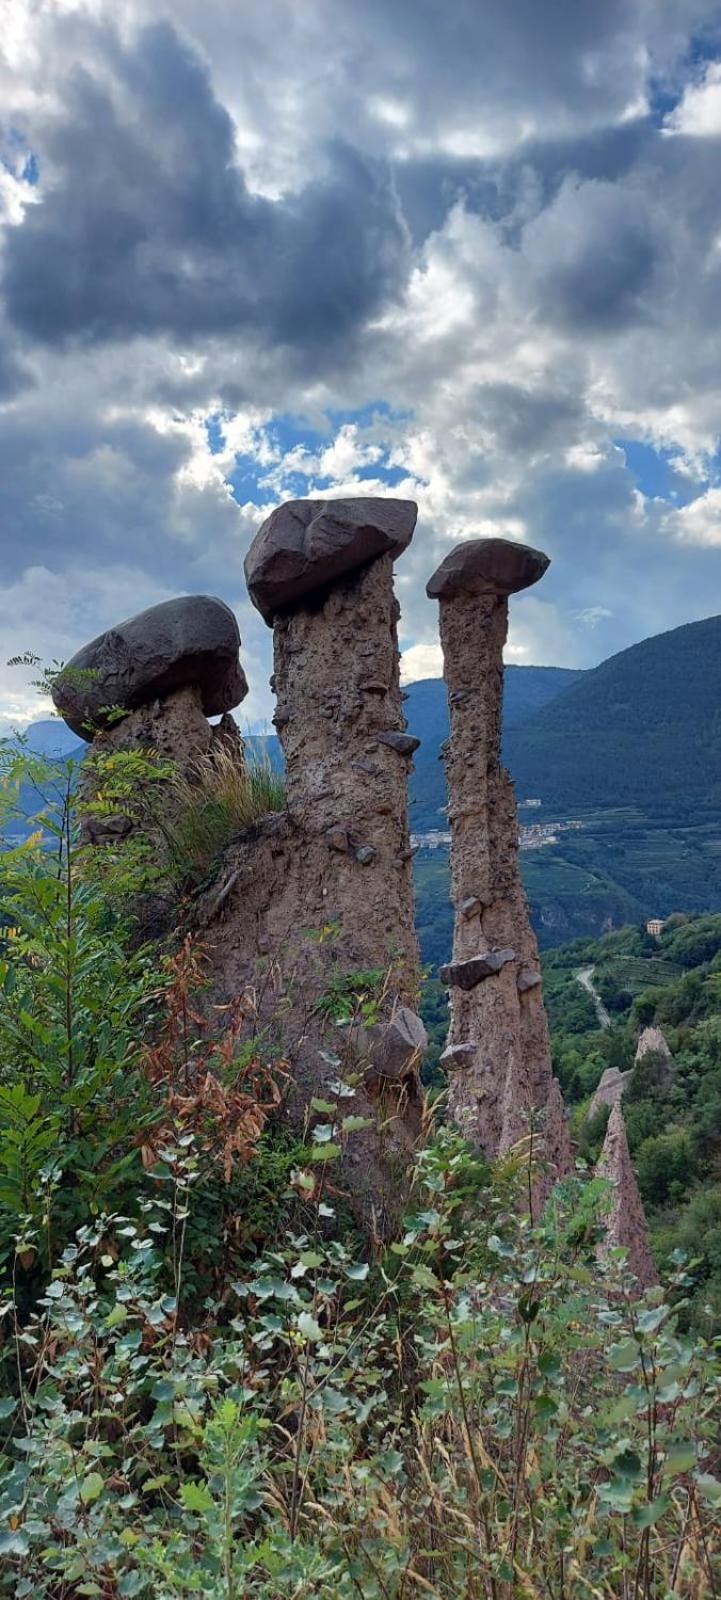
column 7, row 1406
column 626, row 1462
column 618, row 1494
column 309, row 1328
column 14, row 1543
column 423, row 1277
column 196, row 1497
column 650, row 1321
column 164, row 1389
column 709, row 1487
column 357, row 1271
column 645, row 1516
column 625, row 1356
column 324, row 1152
column 354, row 1124
column 680, row 1456
column 91, row 1488
column 117, row 1316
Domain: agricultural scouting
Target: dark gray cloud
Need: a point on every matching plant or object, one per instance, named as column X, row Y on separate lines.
column 147, row 226
column 595, row 256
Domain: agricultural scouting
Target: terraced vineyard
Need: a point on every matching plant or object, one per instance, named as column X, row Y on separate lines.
column 635, row 974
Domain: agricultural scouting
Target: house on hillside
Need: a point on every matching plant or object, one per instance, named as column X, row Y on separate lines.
column 654, row 927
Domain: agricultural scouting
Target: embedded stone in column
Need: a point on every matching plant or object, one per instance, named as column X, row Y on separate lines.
column 508, row 1080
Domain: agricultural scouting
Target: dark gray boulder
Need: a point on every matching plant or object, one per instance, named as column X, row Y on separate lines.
column 393, row 1048
column 404, row 743
column 487, row 566
column 468, row 974
column 193, row 640
column 306, row 545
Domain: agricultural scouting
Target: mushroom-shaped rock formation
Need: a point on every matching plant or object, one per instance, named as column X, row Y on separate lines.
column 494, row 976
column 623, row 1218
column 191, row 642
column 487, row 566
column 326, row 890
column 306, row 545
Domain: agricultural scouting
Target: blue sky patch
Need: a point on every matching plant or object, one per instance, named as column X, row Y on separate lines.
column 293, row 440
column 655, row 474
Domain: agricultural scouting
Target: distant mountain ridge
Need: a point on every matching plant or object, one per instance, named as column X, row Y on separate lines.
column 642, row 728
column 49, row 737
column 526, row 691
column 632, row 748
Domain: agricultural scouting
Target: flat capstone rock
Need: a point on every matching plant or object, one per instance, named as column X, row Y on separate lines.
column 468, row 974
column 191, row 641
column 304, row 546
column 486, row 566
column 404, row 743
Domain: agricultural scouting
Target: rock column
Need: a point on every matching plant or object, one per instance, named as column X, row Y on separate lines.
column 498, row 1046
column 342, row 730
column 321, row 573
column 623, row 1217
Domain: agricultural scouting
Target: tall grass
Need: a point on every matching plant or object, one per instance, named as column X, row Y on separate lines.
column 203, row 815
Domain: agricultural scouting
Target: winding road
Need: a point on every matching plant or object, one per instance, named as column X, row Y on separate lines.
column 585, row 978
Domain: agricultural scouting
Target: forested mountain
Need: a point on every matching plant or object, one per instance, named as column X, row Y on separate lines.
column 631, row 752
column 630, row 749
column 526, row 691
column 643, row 728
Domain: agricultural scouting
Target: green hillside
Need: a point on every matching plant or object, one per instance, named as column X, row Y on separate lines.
column 631, row 751
column 642, row 729
column 674, row 1126
column 526, row 691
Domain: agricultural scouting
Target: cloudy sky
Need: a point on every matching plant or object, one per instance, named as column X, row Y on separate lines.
column 467, row 251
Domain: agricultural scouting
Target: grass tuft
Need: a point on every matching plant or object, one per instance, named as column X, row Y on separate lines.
column 204, row 815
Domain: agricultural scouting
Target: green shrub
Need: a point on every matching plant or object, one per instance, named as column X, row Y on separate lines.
column 480, row 1410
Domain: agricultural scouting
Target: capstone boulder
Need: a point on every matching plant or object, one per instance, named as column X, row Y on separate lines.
column 190, row 642
column 487, row 566
column 304, row 546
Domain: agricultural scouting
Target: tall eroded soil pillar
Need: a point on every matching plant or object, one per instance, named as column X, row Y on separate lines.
column 321, row 574
column 623, row 1216
column 498, row 1046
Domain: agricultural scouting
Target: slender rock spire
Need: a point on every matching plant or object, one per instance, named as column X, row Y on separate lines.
column 623, row 1219
column 497, row 1020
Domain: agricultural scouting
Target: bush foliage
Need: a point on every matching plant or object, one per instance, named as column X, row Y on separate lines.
column 213, row 1385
